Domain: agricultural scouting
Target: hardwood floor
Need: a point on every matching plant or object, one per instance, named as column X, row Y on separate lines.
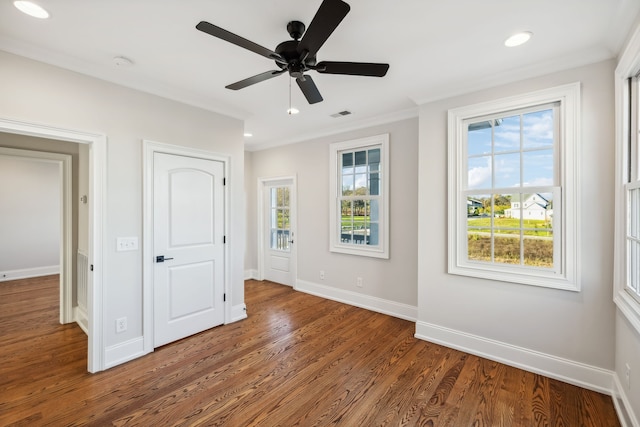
column 298, row 360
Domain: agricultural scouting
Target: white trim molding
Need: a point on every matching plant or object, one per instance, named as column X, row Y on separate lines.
column 379, row 305
column 123, row 352
column 238, row 312
column 26, row 273
column 572, row 372
column 622, row 405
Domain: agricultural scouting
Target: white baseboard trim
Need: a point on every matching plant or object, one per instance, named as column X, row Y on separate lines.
column 81, row 318
column 124, row 352
column 569, row 371
column 238, row 312
column 379, row 305
column 623, row 406
column 250, row 274
column 27, row 273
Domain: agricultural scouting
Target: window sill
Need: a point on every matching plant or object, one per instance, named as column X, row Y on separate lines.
column 629, row 307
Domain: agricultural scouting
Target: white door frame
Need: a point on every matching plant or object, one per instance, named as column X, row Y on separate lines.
column 66, row 245
column 148, row 257
column 262, row 182
column 97, row 179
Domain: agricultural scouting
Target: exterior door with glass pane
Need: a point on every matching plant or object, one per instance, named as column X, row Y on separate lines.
column 279, row 260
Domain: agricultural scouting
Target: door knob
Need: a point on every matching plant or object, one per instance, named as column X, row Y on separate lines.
column 161, row 258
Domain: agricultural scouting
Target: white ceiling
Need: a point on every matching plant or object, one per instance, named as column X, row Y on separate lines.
column 435, row 48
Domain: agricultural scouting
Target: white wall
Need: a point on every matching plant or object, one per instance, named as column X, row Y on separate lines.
column 29, row 217
column 35, row 92
column 391, row 283
column 559, row 332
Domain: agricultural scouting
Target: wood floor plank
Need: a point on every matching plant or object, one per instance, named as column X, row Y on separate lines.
column 296, row 360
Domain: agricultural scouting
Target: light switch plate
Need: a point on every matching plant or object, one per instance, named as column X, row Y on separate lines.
column 127, row 244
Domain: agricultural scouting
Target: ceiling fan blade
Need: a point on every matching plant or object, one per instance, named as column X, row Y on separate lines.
column 328, row 17
column 352, row 68
column 255, row 79
column 223, row 34
column 309, row 89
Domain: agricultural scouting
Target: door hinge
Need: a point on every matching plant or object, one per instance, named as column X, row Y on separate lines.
column 91, row 267
column 224, row 239
column 224, row 181
column 224, row 297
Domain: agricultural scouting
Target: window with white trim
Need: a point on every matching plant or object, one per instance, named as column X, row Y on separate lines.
column 632, row 190
column 512, row 189
column 359, row 215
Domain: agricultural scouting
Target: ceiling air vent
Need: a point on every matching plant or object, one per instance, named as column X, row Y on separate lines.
column 341, row 113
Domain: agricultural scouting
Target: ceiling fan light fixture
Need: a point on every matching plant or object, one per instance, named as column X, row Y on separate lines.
column 293, row 110
column 518, row 39
column 31, row 9
column 248, row 134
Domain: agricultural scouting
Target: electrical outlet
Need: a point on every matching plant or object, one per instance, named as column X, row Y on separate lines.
column 121, row 325
column 321, row 274
column 359, row 282
column 627, row 375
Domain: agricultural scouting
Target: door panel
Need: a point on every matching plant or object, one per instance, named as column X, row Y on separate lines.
column 279, row 232
column 188, row 231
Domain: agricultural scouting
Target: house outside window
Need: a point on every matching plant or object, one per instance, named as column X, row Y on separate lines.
column 518, row 158
column 359, row 212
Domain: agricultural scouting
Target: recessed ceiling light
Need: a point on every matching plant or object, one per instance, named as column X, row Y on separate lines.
column 31, row 9
column 248, row 134
column 293, row 110
column 121, row 61
column 518, row 39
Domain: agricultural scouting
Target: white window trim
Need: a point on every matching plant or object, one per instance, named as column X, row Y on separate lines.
column 628, row 65
column 335, row 245
column 568, row 276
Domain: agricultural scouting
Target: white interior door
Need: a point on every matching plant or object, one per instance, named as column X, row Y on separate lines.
column 279, row 238
column 188, row 238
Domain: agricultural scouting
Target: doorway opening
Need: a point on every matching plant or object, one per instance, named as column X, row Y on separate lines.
column 97, row 157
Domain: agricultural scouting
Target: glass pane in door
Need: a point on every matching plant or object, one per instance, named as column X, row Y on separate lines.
column 280, row 227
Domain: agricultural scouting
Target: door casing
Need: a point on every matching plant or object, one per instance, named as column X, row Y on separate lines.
column 150, row 148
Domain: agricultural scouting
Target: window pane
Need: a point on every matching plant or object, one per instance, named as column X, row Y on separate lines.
column 361, row 184
column 479, row 138
column 507, row 170
column 374, row 210
column 274, row 197
column 479, row 173
column 347, row 160
column 374, row 238
column 506, row 246
column 501, row 204
column 538, row 129
column 285, row 199
column 538, row 250
column 374, row 158
column 374, row 184
column 347, row 185
column 346, row 222
column 361, row 158
column 537, row 168
column 506, row 134
column 478, row 246
column 286, row 224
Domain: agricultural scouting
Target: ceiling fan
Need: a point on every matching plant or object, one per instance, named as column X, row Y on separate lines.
column 298, row 56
